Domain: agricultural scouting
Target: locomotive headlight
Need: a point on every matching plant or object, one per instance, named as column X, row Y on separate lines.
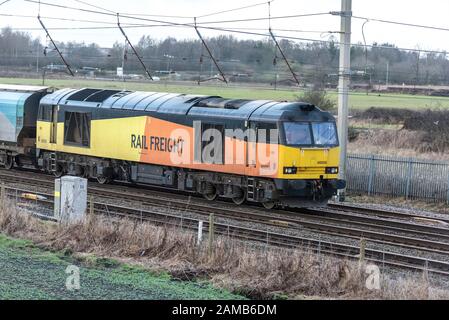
column 290, row 170
column 331, row 170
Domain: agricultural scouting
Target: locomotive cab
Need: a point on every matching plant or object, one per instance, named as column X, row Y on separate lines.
column 309, row 156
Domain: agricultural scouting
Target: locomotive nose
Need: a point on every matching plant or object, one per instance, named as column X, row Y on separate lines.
column 314, row 157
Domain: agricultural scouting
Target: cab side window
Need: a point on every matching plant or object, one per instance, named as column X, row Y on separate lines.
column 77, row 129
column 45, row 113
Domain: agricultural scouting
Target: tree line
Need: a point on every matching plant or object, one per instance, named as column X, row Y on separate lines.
column 255, row 60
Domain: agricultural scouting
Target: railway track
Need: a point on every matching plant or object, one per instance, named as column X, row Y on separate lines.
column 276, row 239
column 380, row 213
column 331, row 221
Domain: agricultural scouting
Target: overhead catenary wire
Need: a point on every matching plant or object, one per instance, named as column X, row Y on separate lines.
column 94, row 6
column 279, row 47
column 266, row 18
column 366, row 49
column 324, row 41
column 56, row 47
column 4, row 2
column 284, row 57
column 137, row 25
column 131, row 14
column 65, row 19
column 210, row 55
column 102, row 12
column 239, row 20
column 240, row 31
column 202, row 25
column 269, row 15
column 133, row 48
column 402, row 23
column 233, row 10
column 176, row 23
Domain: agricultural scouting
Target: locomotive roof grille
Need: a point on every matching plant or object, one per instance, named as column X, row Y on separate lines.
column 92, row 95
column 307, row 107
column 121, row 94
column 198, row 99
column 221, row 103
column 82, row 94
column 101, row 96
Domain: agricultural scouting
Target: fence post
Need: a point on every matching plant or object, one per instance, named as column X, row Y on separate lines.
column 362, row 251
column 91, row 207
column 200, row 232
column 426, row 271
column 371, row 175
column 211, row 233
column 2, row 196
column 447, row 201
column 409, row 178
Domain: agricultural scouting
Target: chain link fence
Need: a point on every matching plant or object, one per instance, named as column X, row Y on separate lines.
column 398, row 177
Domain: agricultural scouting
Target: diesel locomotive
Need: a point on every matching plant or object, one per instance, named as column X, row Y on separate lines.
column 272, row 153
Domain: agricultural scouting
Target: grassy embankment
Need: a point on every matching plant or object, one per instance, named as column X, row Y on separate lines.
column 29, row 271
column 357, row 100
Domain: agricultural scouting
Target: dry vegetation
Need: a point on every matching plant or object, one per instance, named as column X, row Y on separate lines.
column 255, row 272
column 401, row 132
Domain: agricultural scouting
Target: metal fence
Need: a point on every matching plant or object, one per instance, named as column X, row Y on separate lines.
column 398, row 177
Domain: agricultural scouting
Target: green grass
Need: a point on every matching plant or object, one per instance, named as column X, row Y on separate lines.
column 367, row 125
column 362, row 101
column 357, row 100
column 28, row 272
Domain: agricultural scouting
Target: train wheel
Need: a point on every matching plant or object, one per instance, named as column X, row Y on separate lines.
column 240, row 198
column 9, row 164
column 18, row 163
column 269, row 205
column 211, row 196
column 59, row 172
column 103, row 180
column 86, row 174
column 210, row 193
column 82, row 172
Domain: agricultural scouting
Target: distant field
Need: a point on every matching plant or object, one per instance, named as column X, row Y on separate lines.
column 31, row 273
column 357, row 100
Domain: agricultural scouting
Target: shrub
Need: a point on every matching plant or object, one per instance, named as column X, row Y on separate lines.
column 318, row 98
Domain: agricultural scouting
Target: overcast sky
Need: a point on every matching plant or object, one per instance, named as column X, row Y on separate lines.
column 430, row 12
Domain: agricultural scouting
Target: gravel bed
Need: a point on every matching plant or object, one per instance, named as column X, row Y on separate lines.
column 409, row 210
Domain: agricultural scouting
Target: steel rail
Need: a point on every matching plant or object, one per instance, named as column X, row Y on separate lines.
column 293, row 221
